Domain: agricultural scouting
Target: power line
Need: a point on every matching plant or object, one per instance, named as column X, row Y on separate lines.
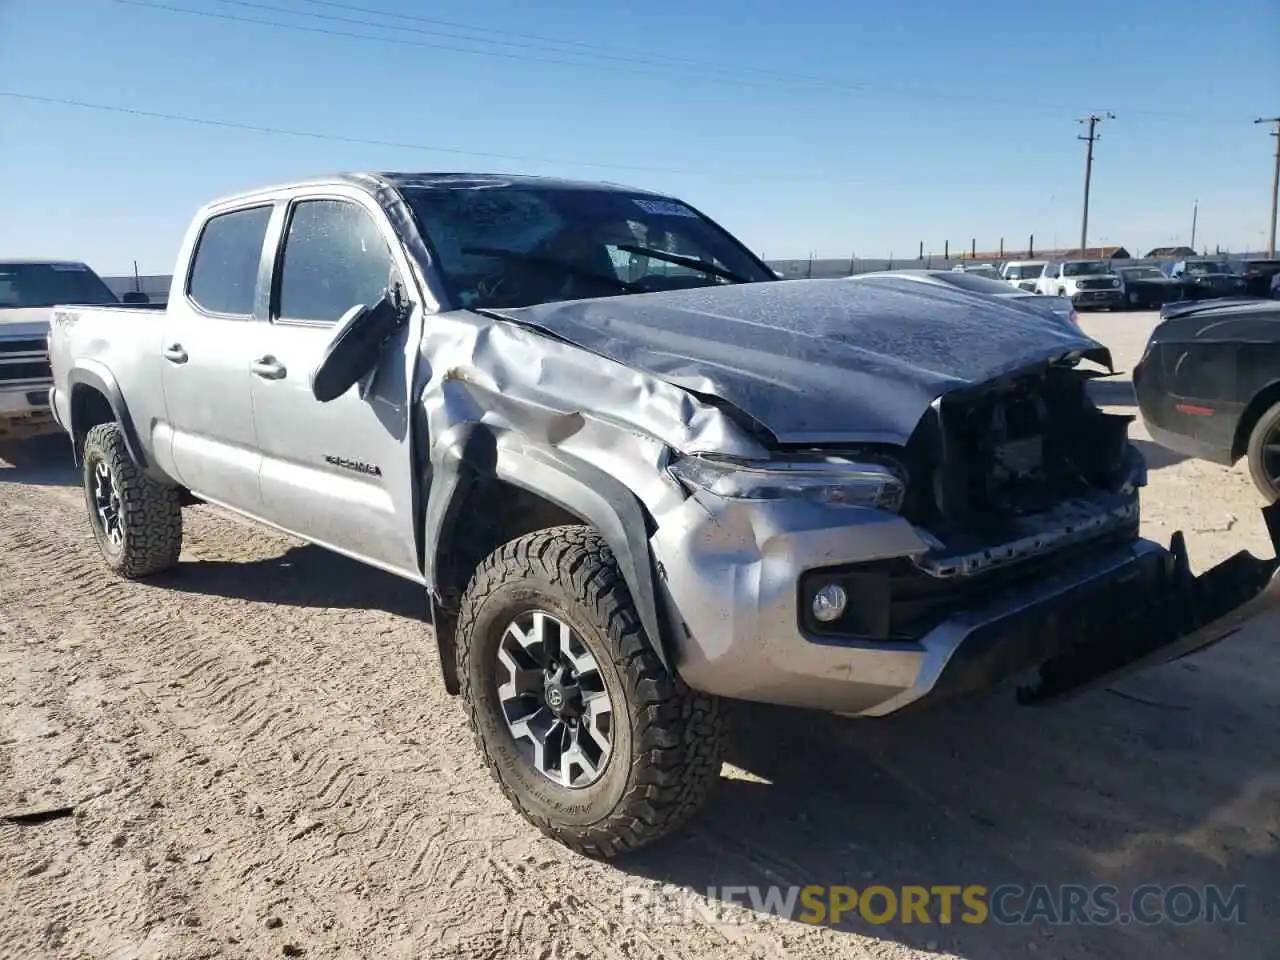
column 542, row 38
column 1275, row 182
column 701, row 65
column 1092, row 120
column 398, row 145
column 589, row 49
column 646, row 65
column 537, row 42
column 402, row 42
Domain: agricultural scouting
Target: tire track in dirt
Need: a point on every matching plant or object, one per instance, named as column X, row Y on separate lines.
column 338, row 776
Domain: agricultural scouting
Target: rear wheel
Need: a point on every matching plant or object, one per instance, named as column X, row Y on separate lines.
column 136, row 520
column 590, row 737
column 1264, row 453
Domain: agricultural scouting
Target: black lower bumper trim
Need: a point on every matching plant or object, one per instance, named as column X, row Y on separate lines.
column 1140, row 609
column 1180, row 615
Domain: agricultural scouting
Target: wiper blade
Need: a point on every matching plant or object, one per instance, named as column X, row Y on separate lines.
column 693, row 263
column 554, row 262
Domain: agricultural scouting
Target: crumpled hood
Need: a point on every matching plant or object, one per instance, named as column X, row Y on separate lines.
column 816, row 361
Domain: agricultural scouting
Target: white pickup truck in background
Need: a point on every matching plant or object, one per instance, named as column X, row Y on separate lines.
column 28, row 291
column 1022, row 274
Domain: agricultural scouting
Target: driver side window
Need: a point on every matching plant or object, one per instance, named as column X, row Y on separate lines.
column 334, row 258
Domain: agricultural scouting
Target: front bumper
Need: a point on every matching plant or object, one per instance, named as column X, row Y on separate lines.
column 24, row 411
column 1098, row 298
column 1214, row 291
column 730, row 580
column 1154, row 295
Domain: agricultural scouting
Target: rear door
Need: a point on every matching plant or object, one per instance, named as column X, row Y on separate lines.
column 338, row 473
column 205, row 354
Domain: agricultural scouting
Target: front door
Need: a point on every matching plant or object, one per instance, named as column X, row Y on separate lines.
column 338, row 473
column 205, row 354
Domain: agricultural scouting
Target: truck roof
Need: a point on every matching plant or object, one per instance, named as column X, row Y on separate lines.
column 434, row 180
column 460, row 181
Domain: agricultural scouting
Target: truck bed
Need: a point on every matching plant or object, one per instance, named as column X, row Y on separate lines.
column 112, row 348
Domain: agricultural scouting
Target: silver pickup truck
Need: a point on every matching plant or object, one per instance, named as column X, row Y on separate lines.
column 29, row 289
column 635, row 473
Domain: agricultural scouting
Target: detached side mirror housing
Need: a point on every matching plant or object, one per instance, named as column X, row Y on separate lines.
column 354, row 349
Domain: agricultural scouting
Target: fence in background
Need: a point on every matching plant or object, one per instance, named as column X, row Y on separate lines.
column 156, row 286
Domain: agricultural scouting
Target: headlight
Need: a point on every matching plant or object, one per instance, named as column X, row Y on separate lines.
column 1115, row 283
column 830, row 482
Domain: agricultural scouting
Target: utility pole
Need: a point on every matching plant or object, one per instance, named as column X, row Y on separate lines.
column 1195, row 212
column 1092, row 120
column 1275, row 181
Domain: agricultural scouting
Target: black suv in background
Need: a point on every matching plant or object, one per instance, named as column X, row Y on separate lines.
column 1208, row 278
column 1260, row 277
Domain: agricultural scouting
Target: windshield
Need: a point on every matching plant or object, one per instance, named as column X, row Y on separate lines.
column 1142, row 273
column 517, row 245
column 1027, row 271
column 48, row 284
column 1203, row 267
column 1084, row 268
column 976, row 283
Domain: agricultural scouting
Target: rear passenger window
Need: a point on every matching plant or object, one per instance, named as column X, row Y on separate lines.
column 224, row 271
column 334, row 258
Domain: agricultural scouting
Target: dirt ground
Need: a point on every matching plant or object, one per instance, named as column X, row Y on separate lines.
column 262, row 763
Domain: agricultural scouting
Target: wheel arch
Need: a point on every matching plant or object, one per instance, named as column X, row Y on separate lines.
column 95, row 398
column 1262, row 401
column 486, row 490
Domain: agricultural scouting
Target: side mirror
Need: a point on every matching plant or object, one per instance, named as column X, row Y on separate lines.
column 135, row 296
column 353, row 351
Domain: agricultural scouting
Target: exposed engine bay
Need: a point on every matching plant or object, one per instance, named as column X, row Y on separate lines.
column 1016, row 469
column 1025, row 446
column 1023, row 467
column 1006, row 484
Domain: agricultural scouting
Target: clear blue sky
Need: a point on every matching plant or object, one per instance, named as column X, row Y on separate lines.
column 834, row 126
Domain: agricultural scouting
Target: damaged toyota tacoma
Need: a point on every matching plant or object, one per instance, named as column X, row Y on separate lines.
column 635, row 473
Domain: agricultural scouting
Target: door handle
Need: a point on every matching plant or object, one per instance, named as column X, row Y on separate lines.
column 175, row 354
column 268, row 368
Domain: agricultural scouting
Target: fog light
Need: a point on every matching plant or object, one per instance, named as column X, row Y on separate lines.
column 829, row 602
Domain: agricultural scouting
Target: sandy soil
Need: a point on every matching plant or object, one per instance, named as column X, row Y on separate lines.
column 262, row 763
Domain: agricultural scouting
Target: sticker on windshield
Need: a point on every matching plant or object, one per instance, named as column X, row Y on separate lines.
column 665, row 208
column 68, row 267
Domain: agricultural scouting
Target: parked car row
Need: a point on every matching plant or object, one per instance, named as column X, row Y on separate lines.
column 1108, row 285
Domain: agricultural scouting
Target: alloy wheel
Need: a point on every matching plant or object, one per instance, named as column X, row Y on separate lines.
column 554, row 700
column 106, row 501
column 1271, row 456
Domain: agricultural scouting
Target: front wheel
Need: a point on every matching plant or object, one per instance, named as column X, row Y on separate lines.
column 1264, row 453
column 136, row 520
column 589, row 736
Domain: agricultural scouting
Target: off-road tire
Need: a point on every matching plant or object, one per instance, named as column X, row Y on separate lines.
column 1267, row 426
column 668, row 739
column 150, row 512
